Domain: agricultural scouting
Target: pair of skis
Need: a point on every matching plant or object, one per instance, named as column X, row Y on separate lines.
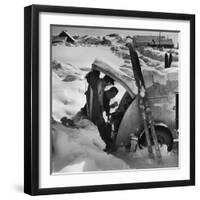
column 144, row 107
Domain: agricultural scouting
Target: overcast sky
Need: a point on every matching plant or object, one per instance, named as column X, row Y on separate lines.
column 94, row 31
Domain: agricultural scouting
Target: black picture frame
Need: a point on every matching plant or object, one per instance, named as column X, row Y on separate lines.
column 31, row 98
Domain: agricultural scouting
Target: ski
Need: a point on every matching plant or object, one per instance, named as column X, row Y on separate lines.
column 144, row 106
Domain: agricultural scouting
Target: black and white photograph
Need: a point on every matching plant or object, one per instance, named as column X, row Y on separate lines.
column 114, row 99
column 109, row 100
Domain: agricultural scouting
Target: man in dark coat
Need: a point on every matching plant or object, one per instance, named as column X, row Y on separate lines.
column 94, row 95
column 94, row 103
column 94, row 111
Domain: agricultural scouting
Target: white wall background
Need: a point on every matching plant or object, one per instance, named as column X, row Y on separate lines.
column 11, row 100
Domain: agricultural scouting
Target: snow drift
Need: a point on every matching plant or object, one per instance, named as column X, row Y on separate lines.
column 67, row 97
column 81, row 149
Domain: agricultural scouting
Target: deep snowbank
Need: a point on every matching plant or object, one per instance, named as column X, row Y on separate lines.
column 81, row 149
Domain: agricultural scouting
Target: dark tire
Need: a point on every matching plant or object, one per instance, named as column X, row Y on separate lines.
column 164, row 136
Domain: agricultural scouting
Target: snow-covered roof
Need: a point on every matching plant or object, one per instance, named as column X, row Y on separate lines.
column 127, row 82
column 157, row 82
column 66, row 34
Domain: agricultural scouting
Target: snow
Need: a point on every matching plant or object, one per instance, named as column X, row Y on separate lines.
column 158, row 54
column 152, row 76
column 84, row 56
column 141, row 160
column 67, row 97
column 80, row 148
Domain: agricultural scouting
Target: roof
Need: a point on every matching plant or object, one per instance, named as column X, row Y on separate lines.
column 66, row 34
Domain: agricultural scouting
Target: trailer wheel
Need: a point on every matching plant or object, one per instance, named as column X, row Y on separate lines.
column 164, row 136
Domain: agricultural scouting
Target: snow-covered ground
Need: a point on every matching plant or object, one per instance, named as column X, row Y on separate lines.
column 80, row 148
